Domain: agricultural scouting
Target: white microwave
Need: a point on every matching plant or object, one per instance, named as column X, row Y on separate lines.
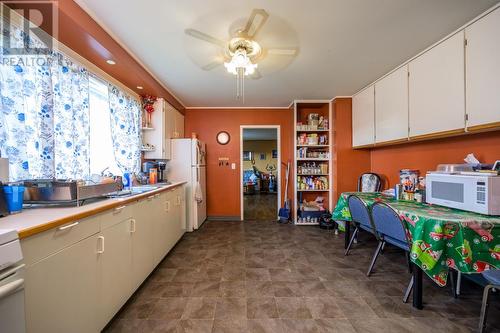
column 474, row 193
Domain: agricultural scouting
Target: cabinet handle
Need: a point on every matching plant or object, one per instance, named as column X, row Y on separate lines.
column 101, row 241
column 68, row 226
column 132, row 225
column 151, row 197
column 9, row 288
column 157, row 195
column 167, row 206
column 118, row 209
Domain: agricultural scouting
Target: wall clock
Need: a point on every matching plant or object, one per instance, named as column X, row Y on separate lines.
column 223, row 138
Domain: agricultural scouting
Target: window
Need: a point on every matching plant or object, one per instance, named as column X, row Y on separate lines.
column 58, row 120
column 101, row 144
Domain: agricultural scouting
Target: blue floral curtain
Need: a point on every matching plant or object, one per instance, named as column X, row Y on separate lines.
column 125, row 113
column 71, row 119
column 44, row 113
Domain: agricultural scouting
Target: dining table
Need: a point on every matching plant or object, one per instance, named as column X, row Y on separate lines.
column 441, row 238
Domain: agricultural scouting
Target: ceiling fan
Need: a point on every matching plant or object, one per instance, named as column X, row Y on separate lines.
column 241, row 53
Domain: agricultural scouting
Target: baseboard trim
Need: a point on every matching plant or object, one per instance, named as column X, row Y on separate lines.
column 224, row 218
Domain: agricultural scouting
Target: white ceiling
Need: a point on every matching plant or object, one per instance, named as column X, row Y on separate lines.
column 260, row 134
column 343, row 44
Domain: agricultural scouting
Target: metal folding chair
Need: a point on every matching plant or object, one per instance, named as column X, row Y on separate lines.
column 390, row 229
column 493, row 278
column 360, row 218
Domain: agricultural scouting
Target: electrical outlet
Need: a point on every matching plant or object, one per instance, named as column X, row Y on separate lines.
column 233, row 166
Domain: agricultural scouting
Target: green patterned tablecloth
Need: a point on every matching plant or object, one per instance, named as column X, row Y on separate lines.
column 442, row 237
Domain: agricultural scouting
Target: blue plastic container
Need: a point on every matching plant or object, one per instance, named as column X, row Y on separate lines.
column 14, row 197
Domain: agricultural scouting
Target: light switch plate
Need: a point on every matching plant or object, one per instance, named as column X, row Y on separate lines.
column 233, row 166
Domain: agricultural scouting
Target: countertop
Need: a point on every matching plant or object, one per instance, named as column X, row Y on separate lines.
column 32, row 221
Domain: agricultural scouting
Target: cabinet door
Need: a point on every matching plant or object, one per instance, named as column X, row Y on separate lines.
column 160, row 228
column 176, row 220
column 483, row 71
column 391, row 106
column 181, row 194
column 116, row 267
column 142, row 234
column 363, row 118
column 179, row 125
column 436, row 85
column 62, row 290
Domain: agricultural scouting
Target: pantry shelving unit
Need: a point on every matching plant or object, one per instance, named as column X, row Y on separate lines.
column 312, row 152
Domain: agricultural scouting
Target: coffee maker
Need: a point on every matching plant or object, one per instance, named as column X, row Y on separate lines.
column 161, row 171
column 160, row 166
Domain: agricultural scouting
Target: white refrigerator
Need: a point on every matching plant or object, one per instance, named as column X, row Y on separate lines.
column 188, row 164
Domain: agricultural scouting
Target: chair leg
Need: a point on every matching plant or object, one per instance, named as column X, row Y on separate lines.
column 408, row 291
column 382, row 249
column 408, row 261
column 375, row 256
column 351, row 241
column 459, row 283
column 451, row 277
column 484, row 308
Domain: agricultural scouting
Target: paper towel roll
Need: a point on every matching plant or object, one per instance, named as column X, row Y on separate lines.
column 4, row 170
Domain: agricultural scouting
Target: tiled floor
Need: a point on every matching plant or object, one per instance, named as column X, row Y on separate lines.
column 264, row 277
column 260, row 207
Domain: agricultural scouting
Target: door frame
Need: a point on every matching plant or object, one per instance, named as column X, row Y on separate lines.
column 278, row 166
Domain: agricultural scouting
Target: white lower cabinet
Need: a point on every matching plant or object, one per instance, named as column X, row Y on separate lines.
column 142, row 233
column 80, row 287
column 115, row 256
column 62, row 290
column 160, row 227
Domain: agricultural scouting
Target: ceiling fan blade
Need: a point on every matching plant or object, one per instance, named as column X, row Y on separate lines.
column 284, row 52
column 255, row 22
column 211, row 65
column 256, row 75
column 203, row 36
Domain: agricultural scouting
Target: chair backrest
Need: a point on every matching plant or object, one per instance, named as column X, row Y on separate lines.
column 387, row 222
column 369, row 182
column 359, row 211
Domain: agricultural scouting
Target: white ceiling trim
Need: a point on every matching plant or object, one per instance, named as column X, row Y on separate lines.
column 119, row 41
column 237, row 108
column 432, row 46
column 264, row 107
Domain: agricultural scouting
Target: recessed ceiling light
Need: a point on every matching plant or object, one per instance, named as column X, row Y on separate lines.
column 140, row 87
column 111, row 62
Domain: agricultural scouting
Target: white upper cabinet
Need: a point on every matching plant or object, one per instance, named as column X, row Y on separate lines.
column 158, row 136
column 391, row 106
column 179, row 125
column 483, row 70
column 168, row 124
column 363, row 118
column 436, row 88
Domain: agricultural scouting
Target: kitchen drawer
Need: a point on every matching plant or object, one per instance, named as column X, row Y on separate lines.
column 42, row 245
column 116, row 215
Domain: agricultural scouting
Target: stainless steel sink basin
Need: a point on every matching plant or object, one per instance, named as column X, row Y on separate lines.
column 142, row 189
column 133, row 191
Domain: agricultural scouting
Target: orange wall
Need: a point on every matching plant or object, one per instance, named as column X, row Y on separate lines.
column 348, row 164
column 223, row 183
column 427, row 155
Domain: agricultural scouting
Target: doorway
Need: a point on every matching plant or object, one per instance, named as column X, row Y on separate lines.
column 260, row 162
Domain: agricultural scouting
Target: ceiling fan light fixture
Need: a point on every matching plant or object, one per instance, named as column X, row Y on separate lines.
column 240, row 62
